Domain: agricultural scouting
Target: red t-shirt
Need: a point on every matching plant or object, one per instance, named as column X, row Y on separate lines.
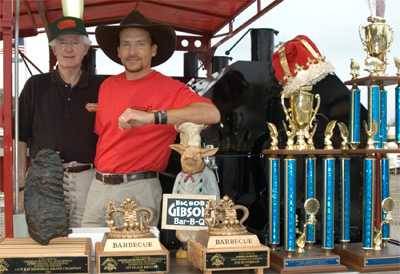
column 144, row 148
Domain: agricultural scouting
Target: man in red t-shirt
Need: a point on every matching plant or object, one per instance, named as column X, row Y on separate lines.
column 136, row 114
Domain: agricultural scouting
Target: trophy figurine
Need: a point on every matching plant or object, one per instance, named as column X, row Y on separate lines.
column 135, row 220
column 273, row 132
column 329, row 133
column 376, row 37
column 300, row 115
column 227, row 245
column 221, row 218
column 370, row 133
column 130, row 237
column 387, row 208
column 311, row 207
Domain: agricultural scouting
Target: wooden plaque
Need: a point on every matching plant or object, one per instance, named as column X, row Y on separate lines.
column 224, row 259
column 151, row 261
column 373, row 260
column 313, row 260
column 62, row 255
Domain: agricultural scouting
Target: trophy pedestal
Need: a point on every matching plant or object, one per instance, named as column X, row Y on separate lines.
column 313, row 260
column 372, row 260
column 61, row 255
column 209, row 259
column 143, row 255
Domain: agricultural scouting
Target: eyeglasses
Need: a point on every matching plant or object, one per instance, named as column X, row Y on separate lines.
column 72, row 43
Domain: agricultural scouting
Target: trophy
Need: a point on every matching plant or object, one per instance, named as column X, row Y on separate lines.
column 311, row 207
column 375, row 252
column 300, row 116
column 227, row 245
column 376, row 37
column 130, row 246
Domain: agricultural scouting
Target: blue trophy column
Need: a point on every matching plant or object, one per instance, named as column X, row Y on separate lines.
column 345, row 200
column 290, row 204
column 310, row 193
column 368, row 203
column 385, row 193
column 355, row 116
column 328, row 203
column 374, row 111
column 274, row 201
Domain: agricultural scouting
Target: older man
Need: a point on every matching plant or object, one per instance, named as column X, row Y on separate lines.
column 57, row 111
column 136, row 116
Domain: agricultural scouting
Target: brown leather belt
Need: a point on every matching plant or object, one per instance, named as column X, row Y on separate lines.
column 76, row 169
column 116, row 179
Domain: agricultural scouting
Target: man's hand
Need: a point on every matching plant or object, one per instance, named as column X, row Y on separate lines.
column 133, row 118
column 91, row 107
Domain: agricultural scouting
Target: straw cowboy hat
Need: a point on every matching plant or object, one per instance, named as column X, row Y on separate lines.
column 162, row 35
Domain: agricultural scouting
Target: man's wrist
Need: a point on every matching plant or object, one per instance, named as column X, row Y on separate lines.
column 160, row 117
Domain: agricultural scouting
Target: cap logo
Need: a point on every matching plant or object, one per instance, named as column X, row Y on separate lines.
column 66, row 24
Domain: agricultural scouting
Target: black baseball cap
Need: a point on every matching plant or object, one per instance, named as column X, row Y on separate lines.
column 66, row 25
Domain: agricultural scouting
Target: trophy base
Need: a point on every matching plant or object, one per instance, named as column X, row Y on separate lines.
column 225, row 259
column 370, row 260
column 61, row 255
column 312, row 260
column 145, row 261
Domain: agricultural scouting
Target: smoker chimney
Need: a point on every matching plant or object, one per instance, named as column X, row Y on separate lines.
column 219, row 62
column 262, row 44
column 190, row 65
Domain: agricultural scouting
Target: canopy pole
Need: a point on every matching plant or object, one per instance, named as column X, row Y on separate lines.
column 6, row 24
column 16, row 108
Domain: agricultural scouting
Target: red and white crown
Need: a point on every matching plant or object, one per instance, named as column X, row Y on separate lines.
column 297, row 63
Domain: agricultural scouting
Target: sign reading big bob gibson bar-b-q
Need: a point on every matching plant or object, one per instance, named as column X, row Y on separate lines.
column 184, row 212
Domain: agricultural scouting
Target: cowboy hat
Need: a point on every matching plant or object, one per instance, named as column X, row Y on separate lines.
column 162, row 35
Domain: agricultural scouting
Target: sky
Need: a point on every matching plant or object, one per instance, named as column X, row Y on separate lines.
column 332, row 25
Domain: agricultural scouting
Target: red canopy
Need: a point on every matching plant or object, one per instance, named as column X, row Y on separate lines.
column 203, row 17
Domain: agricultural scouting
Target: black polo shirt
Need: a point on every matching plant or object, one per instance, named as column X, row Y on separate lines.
column 52, row 114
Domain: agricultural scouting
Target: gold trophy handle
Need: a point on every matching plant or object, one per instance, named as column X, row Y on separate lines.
column 285, row 110
column 389, row 36
column 361, row 32
column 315, row 111
column 245, row 212
column 143, row 211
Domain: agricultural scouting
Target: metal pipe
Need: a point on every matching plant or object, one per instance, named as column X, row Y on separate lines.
column 16, row 114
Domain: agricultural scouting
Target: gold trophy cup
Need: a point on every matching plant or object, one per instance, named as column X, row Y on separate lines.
column 376, row 37
column 300, row 116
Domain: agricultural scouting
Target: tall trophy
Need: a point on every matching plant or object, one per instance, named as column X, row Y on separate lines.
column 300, row 254
column 375, row 252
column 227, row 245
column 130, row 246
